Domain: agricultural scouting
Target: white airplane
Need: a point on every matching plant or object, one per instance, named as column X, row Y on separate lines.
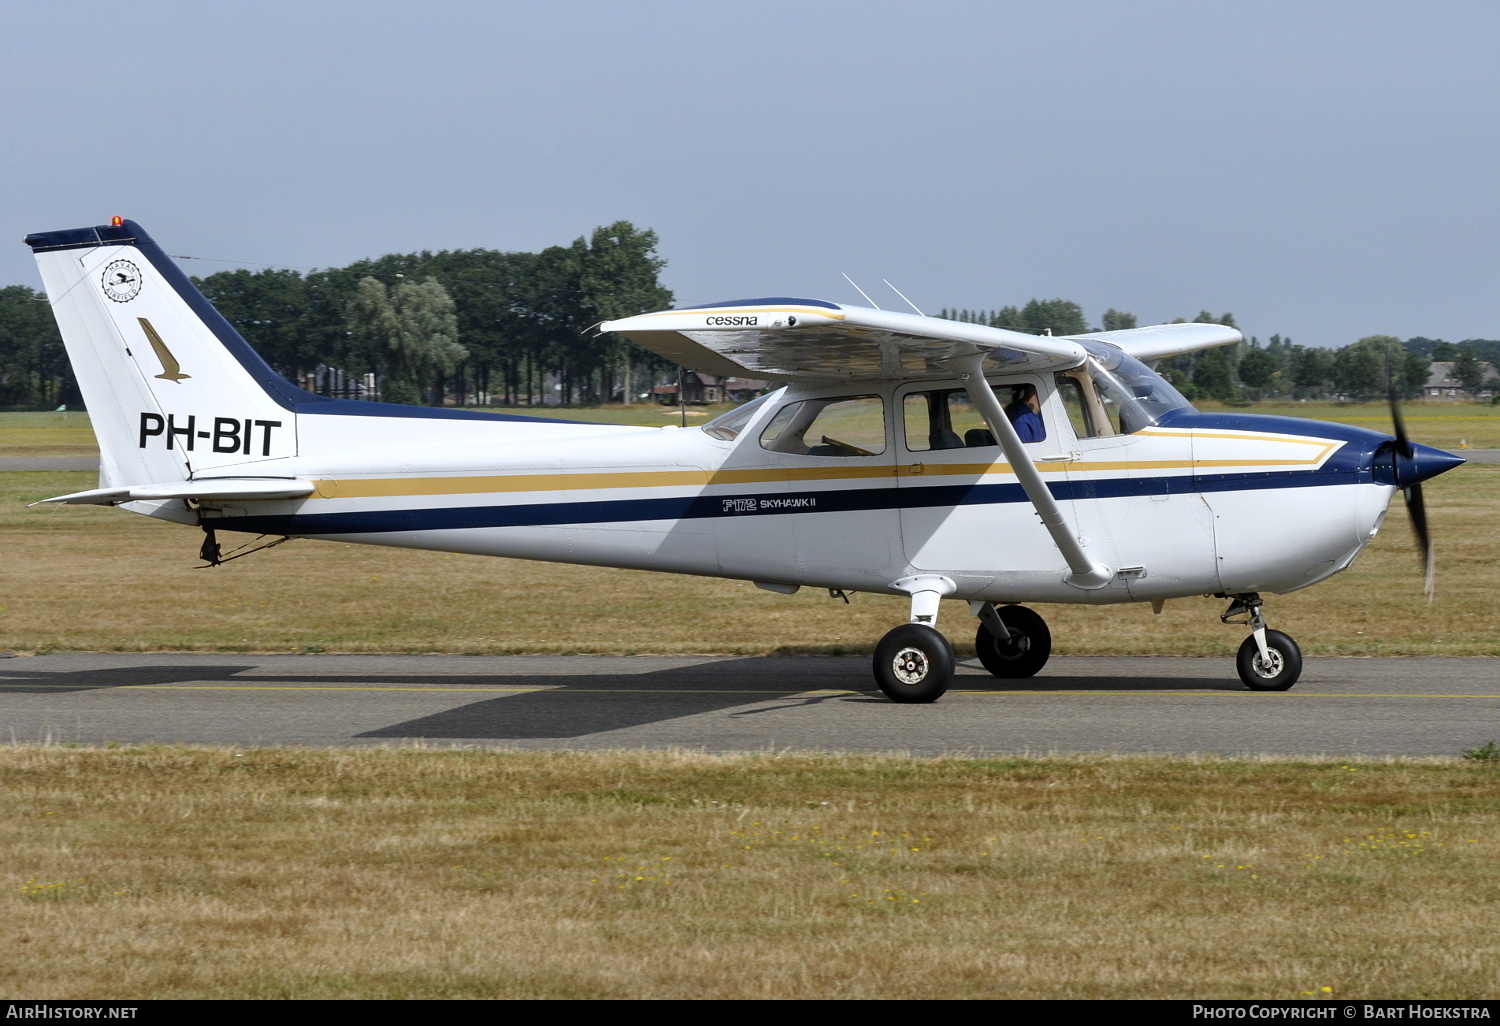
column 890, row 462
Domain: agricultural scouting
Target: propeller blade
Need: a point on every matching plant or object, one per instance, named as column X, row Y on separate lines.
column 1403, row 442
column 1417, row 510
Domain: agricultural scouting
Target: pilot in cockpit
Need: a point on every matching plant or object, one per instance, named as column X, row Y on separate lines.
column 1025, row 413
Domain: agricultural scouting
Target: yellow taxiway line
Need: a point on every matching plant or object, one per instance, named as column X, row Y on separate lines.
column 485, row 689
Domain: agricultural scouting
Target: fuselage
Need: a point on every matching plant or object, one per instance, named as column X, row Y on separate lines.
column 1192, row 503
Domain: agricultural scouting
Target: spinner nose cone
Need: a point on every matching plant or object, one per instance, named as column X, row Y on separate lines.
column 1423, row 463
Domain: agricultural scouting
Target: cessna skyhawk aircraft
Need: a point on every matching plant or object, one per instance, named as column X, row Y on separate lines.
column 892, row 461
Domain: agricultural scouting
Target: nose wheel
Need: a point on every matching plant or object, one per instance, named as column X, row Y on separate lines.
column 1268, row 660
column 1276, row 670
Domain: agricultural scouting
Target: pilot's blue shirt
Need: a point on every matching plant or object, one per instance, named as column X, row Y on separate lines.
column 1028, row 425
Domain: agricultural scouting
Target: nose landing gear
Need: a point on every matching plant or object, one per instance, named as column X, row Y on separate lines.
column 1268, row 660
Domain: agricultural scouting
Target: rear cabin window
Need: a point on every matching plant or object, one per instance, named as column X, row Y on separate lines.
column 843, row 426
column 729, row 425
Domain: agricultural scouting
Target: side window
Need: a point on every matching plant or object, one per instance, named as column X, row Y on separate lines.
column 1079, row 414
column 943, row 419
column 1092, row 416
column 1025, row 412
column 845, row 426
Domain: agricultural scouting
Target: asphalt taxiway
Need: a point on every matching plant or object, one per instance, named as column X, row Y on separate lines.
column 1341, row 707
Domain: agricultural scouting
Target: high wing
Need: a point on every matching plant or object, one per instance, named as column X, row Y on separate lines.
column 1160, row 341
column 783, row 339
column 811, row 340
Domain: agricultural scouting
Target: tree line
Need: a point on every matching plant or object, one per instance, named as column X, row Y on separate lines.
column 1279, row 369
column 485, row 326
column 477, row 325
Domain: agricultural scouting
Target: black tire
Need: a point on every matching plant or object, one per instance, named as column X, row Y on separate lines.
column 1285, row 668
column 913, row 663
column 1017, row 657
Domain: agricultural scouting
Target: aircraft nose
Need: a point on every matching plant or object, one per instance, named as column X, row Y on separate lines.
column 1424, row 462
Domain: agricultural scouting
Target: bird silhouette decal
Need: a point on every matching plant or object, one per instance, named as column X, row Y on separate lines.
column 171, row 370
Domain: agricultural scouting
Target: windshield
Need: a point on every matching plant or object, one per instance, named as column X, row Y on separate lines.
column 1139, row 394
column 728, row 425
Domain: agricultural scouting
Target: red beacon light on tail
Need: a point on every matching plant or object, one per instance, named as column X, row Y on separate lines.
column 116, row 221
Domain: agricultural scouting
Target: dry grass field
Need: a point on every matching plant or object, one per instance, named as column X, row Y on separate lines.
column 98, row 579
column 46, row 434
column 381, row 873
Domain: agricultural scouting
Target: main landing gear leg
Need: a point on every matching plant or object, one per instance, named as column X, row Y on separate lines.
column 1012, row 641
column 1268, row 660
column 914, row 663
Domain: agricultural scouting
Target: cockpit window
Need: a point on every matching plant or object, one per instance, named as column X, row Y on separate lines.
column 1134, row 395
column 729, row 425
column 845, row 426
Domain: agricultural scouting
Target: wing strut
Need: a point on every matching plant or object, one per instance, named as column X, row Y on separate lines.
column 1083, row 572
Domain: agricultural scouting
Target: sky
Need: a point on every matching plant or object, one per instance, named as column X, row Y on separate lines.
column 1324, row 171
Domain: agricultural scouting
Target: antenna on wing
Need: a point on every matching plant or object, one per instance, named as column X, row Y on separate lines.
column 861, row 291
column 903, row 298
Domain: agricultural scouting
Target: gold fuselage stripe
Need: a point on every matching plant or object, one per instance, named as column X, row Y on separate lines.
column 364, row 488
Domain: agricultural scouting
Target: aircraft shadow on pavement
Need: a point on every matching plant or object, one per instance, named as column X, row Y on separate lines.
column 578, row 705
column 575, row 705
column 52, row 682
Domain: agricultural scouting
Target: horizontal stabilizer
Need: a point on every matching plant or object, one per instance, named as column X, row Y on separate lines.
column 210, row 490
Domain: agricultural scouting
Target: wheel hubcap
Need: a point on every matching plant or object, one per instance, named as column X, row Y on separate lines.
column 1014, row 647
column 1268, row 669
column 910, row 665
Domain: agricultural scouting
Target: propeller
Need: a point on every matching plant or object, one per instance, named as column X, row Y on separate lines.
column 1415, row 507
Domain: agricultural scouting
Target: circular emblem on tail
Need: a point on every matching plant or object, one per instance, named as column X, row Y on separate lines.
column 121, row 281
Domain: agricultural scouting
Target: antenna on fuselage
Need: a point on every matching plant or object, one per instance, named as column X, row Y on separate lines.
column 861, row 291
column 903, row 298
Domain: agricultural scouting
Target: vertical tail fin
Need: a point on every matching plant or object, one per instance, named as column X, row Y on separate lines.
column 172, row 389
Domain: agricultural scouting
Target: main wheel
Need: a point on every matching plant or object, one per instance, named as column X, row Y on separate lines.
column 913, row 663
column 1024, row 653
column 1276, row 674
